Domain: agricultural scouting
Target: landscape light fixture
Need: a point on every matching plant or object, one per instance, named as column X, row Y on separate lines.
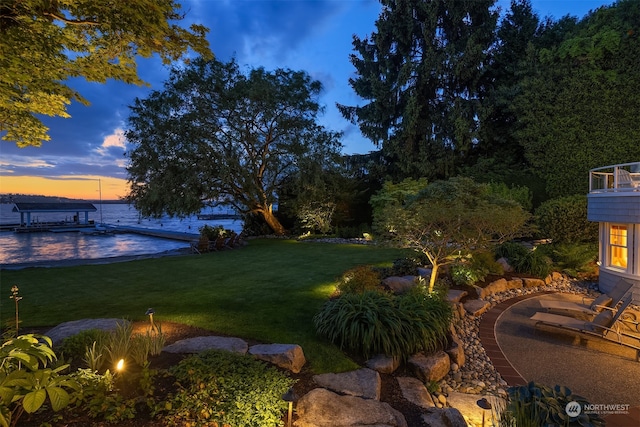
column 14, row 296
column 290, row 396
column 149, row 313
column 120, row 365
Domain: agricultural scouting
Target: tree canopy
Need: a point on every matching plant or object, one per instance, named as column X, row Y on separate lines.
column 445, row 220
column 214, row 135
column 420, row 72
column 44, row 43
column 450, row 90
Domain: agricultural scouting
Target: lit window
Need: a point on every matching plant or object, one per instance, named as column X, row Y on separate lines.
column 618, row 246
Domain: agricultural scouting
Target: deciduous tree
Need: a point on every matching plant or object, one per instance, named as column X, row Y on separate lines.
column 217, row 136
column 445, row 220
column 43, row 43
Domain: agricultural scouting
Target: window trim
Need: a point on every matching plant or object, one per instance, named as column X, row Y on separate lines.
column 628, row 234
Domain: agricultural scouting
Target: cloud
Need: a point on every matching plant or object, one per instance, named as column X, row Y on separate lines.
column 115, row 140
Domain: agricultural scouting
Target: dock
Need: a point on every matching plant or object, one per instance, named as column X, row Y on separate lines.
column 56, row 226
column 106, row 229
column 165, row 234
column 210, row 217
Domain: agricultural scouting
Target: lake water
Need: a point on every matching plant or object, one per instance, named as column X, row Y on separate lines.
column 20, row 248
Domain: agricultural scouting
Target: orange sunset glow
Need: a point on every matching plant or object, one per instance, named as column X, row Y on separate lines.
column 74, row 187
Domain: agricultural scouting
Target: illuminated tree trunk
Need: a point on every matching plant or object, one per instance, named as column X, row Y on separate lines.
column 434, row 276
column 272, row 221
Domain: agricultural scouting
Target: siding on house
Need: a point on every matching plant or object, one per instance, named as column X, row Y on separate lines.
column 608, row 279
column 614, row 207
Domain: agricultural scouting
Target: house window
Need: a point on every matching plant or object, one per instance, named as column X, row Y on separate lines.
column 618, row 249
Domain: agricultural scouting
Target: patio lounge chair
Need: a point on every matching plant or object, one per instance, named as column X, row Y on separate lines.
column 605, row 326
column 604, row 302
column 625, row 179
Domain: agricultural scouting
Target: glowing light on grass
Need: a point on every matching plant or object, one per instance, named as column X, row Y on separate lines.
column 120, row 365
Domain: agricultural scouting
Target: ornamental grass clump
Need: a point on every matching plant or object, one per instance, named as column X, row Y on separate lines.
column 379, row 323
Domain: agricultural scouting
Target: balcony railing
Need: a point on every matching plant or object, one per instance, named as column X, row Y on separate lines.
column 623, row 178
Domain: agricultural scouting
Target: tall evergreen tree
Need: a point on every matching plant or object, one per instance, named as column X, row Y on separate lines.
column 420, row 72
column 516, row 33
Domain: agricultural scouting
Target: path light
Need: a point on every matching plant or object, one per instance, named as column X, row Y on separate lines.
column 485, row 405
column 290, row 396
column 120, row 365
column 14, row 296
column 149, row 313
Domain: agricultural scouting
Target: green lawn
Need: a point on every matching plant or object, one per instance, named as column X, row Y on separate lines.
column 268, row 290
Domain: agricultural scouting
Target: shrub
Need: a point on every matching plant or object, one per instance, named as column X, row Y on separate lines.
column 565, row 220
column 212, row 233
column 359, row 279
column 524, row 260
column 512, row 251
column 539, row 405
column 407, row 266
column 373, row 322
column 98, row 398
column 226, row 388
column 352, row 232
column 75, row 346
column 575, row 259
column 468, row 272
column 465, row 274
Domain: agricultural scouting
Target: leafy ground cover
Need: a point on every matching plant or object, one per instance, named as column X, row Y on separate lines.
column 268, row 290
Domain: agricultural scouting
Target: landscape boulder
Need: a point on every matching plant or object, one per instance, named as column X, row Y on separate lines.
column 286, row 356
column 455, row 295
column 365, row 383
column 455, row 350
column 398, row 285
column 414, row 391
column 74, row 327
column 532, row 283
column 431, row 367
column 476, row 307
column 323, row 408
column 505, row 264
column 383, row 364
column 447, row 417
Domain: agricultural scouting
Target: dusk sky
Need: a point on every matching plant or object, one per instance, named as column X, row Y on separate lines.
column 87, row 151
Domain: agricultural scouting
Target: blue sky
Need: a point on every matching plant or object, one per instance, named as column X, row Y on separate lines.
column 310, row 35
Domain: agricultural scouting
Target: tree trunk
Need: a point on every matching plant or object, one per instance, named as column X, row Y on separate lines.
column 434, row 276
column 272, row 221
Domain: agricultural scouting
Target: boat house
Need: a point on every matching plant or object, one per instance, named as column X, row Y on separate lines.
column 29, row 210
column 614, row 202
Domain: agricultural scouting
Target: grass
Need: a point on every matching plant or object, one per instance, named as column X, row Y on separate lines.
column 268, row 290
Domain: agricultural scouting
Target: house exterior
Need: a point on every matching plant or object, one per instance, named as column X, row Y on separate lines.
column 614, row 202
